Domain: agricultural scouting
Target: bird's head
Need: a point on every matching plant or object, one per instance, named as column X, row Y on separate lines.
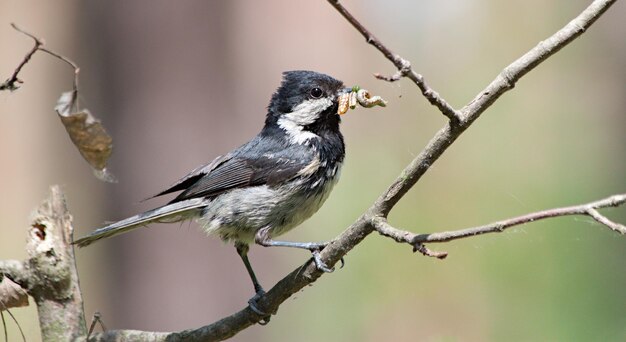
column 305, row 105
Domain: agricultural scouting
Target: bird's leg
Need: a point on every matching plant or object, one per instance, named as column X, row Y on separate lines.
column 242, row 250
column 262, row 238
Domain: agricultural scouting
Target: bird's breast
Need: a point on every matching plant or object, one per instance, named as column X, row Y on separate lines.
column 311, row 194
column 239, row 213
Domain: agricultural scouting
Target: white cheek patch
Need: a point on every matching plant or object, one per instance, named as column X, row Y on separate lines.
column 303, row 114
column 308, row 111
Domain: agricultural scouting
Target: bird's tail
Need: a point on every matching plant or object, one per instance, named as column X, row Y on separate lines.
column 173, row 212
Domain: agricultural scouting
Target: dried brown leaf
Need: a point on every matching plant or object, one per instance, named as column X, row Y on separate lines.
column 11, row 295
column 87, row 134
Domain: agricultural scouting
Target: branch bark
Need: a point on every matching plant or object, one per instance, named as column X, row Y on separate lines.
column 403, row 66
column 365, row 224
column 49, row 275
column 417, row 240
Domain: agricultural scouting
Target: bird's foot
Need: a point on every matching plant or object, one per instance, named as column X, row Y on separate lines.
column 321, row 265
column 253, row 304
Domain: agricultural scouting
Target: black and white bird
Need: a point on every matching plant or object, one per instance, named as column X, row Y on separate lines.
column 267, row 186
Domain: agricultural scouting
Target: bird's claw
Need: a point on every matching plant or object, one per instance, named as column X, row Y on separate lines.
column 318, row 259
column 319, row 263
column 252, row 303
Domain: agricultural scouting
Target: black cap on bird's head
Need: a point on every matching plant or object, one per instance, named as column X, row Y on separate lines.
column 301, row 85
column 305, row 100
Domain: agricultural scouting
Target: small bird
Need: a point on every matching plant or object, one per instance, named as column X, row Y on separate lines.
column 270, row 184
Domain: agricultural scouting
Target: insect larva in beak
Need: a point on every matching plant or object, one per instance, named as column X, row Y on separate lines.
column 352, row 100
column 358, row 96
column 366, row 100
column 343, row 103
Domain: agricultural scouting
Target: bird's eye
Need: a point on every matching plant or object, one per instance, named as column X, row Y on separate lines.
column 316, row 93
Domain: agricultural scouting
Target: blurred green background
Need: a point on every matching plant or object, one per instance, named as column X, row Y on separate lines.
column 178, row 83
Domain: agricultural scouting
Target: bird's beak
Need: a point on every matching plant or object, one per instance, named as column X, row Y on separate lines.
column 342, row 91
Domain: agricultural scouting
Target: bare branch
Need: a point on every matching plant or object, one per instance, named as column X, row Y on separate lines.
column 69, row 62
column 503, row 82
column 10, row 83
column 418, row 247
column 417, row 240
column 364, row 225
column 373, row 219
column 620, row 228
column 86, row 132
column 403, row 65
column 507, row 79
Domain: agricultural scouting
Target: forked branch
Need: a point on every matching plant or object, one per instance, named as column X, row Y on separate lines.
column 375, row 217
column 364, row 225
column 12, row 82
column 418, row 240
column 403, row 66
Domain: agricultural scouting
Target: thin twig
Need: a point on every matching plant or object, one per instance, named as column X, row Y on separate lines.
column 4, row 325
column 74, row 102
column 10, row 83
column 19, row 327
column 68, row 61
column 417, row 240
column 418, row 247
column 97, row 318
column 620, row 228
column 403, row 66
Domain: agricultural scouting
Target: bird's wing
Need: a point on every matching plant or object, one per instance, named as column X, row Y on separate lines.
column 242, row 171
column 193, row 176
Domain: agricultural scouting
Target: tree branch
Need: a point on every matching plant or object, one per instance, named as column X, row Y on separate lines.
column 49, row 275
column 507, row 79
column 403, row 66
column 503, row 82
column 364, row 225
column 10, row 83
column 417, row 240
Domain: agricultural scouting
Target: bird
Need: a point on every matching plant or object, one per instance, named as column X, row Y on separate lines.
column 267, row 186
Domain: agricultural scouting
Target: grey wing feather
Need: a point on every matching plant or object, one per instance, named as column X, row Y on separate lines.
column 193, row 176
column 233, row 173
column 168, row 213
column 241, row 172
column 249, row 165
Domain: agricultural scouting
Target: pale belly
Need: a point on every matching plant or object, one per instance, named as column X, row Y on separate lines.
column 238, row 214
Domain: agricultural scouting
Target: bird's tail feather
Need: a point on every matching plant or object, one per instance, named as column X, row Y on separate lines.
column 173, row 212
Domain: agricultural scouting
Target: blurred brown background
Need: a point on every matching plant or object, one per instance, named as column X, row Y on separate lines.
column 178, row 83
